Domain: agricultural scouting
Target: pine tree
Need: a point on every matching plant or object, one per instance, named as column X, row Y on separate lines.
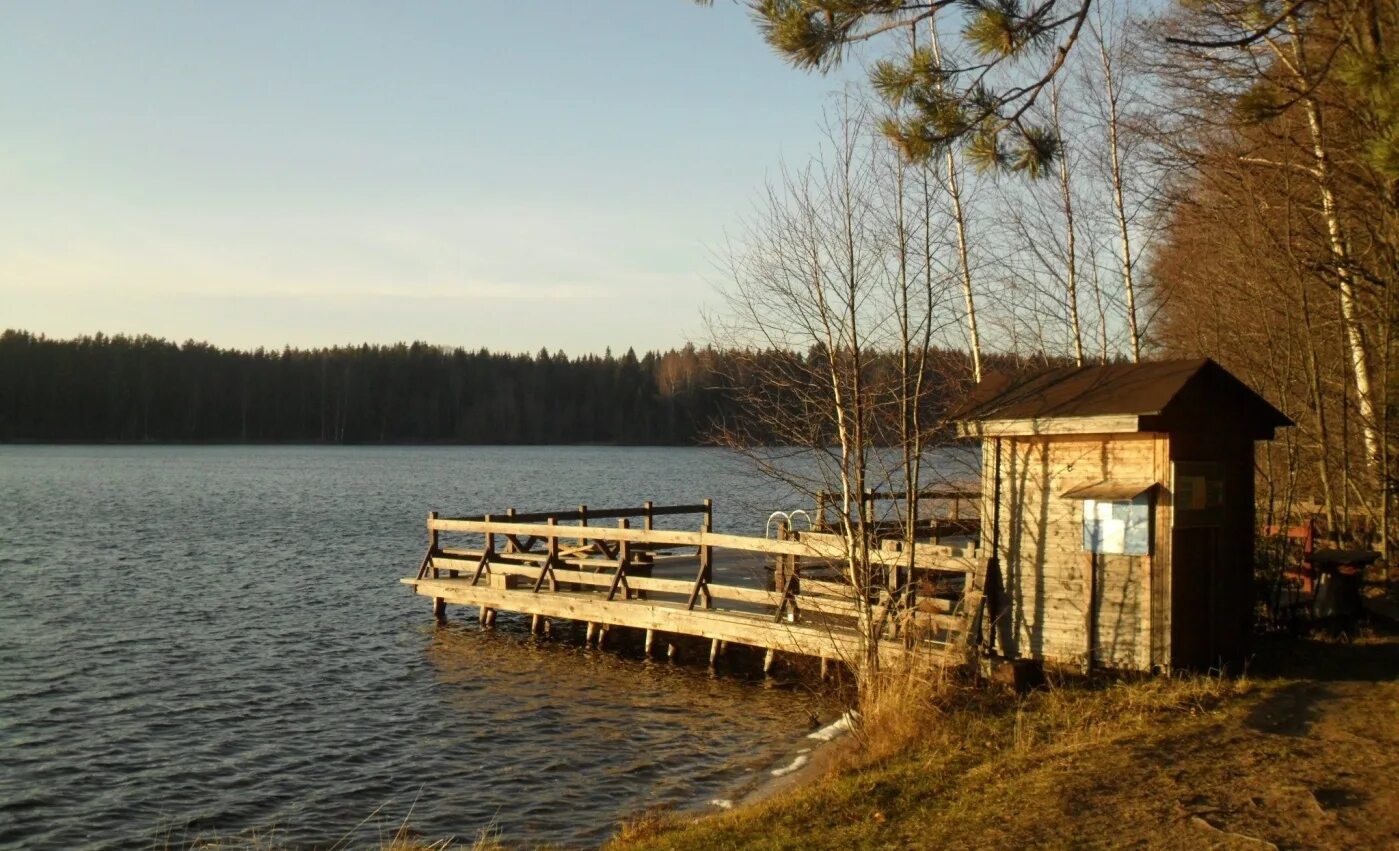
column 980, row 100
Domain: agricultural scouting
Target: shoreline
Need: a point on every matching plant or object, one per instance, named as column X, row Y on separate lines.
column 812, row 757
column 1266, row 760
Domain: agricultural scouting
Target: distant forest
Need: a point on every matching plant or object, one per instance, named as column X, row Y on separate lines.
column 118, row 389
column 143, row 389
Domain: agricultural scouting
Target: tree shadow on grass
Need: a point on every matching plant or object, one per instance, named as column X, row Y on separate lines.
column 1317, row 666
column 1289, row 711
column 1372, row 658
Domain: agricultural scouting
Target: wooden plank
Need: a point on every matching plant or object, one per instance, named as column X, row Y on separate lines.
column 619, row 579
column 829, row 589
column 942, row 562
column 595, row 513
column 851, row 609
column 950, row 623
column 1106, row 424
column 803, row 544
column 1090, row 608
column 928, row 494
column 602, row 580
column 886, row 554
column 457, row 553
column 669, row 537
column 827, row 605
column 727, row 626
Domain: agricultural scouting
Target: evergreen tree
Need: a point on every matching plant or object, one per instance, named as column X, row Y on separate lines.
column 980, row 100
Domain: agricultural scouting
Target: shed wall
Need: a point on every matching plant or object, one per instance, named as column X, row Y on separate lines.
column 1212, row 608
column 1045, row 609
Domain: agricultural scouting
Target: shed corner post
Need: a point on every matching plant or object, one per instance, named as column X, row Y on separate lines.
column 993, row 580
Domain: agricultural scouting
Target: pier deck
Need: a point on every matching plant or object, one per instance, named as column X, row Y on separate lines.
column 670, row 582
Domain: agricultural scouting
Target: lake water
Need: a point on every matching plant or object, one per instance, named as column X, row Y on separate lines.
column 213, row 641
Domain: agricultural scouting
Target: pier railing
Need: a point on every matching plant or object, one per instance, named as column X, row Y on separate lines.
column 517, row 552
column 647, row 512
column 954, row 511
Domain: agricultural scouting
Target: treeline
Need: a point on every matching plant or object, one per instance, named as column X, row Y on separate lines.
column 1279, row 255
column 139, row 389
column 123, row 389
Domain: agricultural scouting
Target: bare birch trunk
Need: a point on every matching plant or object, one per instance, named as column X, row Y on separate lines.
column 954, row 192
column 1067, row 202
column 1339, row 247
column 1119, row 204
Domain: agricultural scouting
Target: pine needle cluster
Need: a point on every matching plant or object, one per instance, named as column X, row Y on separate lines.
column 934, row 104
column 1372, row 77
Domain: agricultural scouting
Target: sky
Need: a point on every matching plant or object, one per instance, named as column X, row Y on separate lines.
column 507, row 174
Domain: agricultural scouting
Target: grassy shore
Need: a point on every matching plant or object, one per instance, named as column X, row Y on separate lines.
column 1302, row 752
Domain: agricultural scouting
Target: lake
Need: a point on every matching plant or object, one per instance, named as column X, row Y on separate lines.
column 207, row 641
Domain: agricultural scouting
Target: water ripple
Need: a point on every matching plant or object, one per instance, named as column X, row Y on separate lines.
column 212, row 641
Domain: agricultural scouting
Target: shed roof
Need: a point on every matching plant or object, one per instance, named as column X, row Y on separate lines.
column 1109, row 490
column 1175, row 395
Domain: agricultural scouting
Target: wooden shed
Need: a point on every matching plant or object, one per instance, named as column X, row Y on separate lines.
column 1118, row 512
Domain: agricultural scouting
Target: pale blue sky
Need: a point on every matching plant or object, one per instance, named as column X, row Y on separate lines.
column 503, row 174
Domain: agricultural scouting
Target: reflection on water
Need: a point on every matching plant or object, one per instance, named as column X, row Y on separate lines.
column 212, row 641
column 570, row 730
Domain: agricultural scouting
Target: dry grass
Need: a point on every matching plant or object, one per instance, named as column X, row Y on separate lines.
column 924, row 735
column 946, row 710
column 644, row 825
column 487, row 839
column 1301, row 754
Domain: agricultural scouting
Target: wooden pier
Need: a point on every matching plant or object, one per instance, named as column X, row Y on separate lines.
column 561, row 565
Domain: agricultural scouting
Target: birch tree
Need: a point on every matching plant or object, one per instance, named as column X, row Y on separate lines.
column 1107, row 34
column 831, row 293
column 1290, row 101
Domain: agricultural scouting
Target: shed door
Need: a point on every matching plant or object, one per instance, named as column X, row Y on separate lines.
column 1117, row 615
column 1196, row 566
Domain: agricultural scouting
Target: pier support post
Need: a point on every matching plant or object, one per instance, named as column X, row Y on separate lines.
column 534, row 624
column 439, row 609
column 825, row 667
column 433, row 542
column 670, row 651
column 713, row 651
column 650, row 638
column 592, row 630
column 767, row 660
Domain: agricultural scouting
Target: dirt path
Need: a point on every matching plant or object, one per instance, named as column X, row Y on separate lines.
column 1311, row 760
column 1315, row 762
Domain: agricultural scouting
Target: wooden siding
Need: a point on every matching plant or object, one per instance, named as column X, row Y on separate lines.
column 1107, row 424
column 1046, row 610
column 1212, row 608
column 1158, row 592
